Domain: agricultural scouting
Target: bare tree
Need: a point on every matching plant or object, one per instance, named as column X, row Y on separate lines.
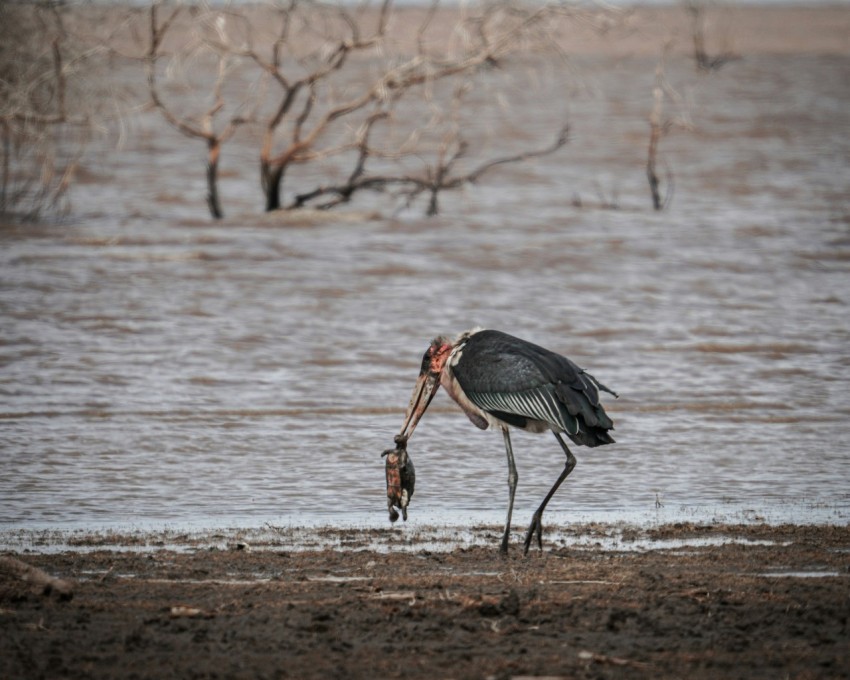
column 44, row 118
column 205, row 33
column 443, row 172
column 336, row 35
column 364, row 97
column 660, row 124
column 657, row 128
column 704, row 62
column 341, row 73
column 438, row 177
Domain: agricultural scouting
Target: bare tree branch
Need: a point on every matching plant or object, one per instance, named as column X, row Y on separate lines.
column 704, row 62
column 46, row 121
column 434, row 180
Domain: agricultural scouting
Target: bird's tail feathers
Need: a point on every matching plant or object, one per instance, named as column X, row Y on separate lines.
column 600, row 386
column 593, row 436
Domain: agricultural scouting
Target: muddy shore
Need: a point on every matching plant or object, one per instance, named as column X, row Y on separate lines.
column 675, row 601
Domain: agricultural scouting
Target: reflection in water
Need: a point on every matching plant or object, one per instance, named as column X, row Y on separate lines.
column 158, row 371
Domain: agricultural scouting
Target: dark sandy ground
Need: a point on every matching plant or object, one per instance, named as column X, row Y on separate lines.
column 676, row 601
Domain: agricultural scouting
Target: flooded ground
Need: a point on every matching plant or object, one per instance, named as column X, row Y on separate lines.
column 163, row 371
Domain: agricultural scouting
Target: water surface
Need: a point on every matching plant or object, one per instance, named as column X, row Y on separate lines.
column 159, row 369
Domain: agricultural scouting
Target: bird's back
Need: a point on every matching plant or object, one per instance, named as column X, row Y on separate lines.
column 521, row 384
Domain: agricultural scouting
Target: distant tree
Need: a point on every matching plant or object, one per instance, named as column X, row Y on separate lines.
column 350, row 94
column 323, row 94
column 215, row 119
column 46, row 117
column 697, row 10
column 660, row 124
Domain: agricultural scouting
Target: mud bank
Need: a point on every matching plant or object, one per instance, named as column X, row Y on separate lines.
column 676, row 601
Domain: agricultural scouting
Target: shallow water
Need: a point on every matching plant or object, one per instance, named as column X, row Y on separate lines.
column 158, row 369
column 611, row 537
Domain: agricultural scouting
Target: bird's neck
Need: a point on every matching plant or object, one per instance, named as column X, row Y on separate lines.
column 451, row 385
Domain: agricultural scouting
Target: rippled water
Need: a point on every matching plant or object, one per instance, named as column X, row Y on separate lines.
column 159, row 369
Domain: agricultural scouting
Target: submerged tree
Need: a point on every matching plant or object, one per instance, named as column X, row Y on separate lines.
column 325, row 93
column 198, row 43
column 660, row 124
column 45, row 117
column 704, row 62
column 355, row 97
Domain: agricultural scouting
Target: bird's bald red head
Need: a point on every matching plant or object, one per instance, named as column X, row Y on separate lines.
column 436, row 355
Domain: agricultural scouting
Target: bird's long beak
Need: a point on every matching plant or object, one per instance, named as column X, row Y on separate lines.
column 426, row 387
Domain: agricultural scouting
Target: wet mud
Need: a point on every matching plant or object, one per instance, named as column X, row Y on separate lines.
column 699, row 602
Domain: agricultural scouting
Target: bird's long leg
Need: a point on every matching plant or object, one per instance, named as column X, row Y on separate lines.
column 536, row 519
column 513, row 478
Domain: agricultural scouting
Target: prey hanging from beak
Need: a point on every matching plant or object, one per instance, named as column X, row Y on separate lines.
column 401, row 478
column 399, row 469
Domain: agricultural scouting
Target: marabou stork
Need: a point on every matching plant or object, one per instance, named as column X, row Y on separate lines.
column 504, row 381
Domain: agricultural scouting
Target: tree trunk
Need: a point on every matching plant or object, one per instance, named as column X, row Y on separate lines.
column 651, row 175
column 212, row 179
column 433, row 205
column 272, row 178
column 656, row 121
column 7, row 163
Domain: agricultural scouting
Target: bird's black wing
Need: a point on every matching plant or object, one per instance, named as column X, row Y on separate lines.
column 516, row 380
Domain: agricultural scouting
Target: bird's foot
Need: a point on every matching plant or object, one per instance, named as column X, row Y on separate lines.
column 503, row 548
column 536, row 526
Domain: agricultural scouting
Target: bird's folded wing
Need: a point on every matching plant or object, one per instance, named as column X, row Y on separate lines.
column 540, row 403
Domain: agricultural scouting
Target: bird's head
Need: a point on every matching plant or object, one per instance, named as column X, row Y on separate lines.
column 433, row 362
column 435, row 356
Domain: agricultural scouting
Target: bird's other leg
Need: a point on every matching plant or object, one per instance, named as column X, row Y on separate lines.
column 536, row 519
column 513, row 478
